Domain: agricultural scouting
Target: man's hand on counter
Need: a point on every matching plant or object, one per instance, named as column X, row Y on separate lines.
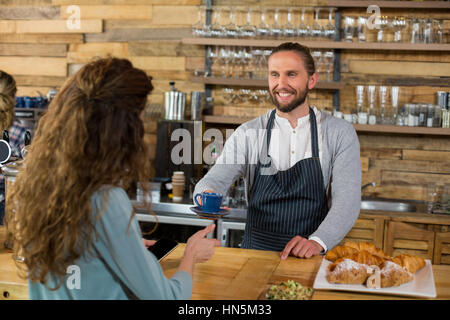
column 302, row 248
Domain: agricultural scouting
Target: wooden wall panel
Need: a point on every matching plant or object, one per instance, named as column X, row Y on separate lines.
column 110, row 12
column 34, row 66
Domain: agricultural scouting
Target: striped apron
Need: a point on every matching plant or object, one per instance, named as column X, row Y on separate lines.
column 286, row 203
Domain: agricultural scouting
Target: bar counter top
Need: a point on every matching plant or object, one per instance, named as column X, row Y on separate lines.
column 232, row 274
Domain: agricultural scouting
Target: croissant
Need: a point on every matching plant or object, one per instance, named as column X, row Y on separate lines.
column 367, row 246
column 340, row 252
column 366, row 258
column 411, row 263
column 392, row 275
column 347, row 271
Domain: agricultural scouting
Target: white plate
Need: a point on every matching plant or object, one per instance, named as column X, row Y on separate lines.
column 421, row 286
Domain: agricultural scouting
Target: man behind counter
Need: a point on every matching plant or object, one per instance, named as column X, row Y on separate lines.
column 303, row 175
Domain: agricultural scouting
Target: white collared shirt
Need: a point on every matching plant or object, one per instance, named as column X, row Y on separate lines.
column 290, row 145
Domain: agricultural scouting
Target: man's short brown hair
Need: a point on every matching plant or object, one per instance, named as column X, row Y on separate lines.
column 302, row 51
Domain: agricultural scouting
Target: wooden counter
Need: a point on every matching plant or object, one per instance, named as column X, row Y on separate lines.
column 231, row 274
column 12, row 287
column 246, row 274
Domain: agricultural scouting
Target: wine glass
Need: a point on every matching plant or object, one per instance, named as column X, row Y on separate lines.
column 248, row 30
column 263, row 30
column 289, row 28
column 217, row 30
column 394, row 103
column 317, row 57
column 381, row 32
column 304, row 31
column 438, row 32
column 213, row 56
column 224, row 58
column 398, row 24
column 275, row 30
column 428, row 30
column 246, row 58
column 382, row 91
column 232, row 30
column 348, row 29
column 329, row 64
column 330, row 29
column 361, row 29
column 317, row 30
column 198, row 27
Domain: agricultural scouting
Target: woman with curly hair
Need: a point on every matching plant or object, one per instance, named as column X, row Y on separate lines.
column 68, row 206
column 16, row 130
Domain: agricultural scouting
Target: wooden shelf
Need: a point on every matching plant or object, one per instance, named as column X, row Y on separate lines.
column 257, row 82
column 401, row 129
column 358, row 127
column 320, row 44
column 390, row 4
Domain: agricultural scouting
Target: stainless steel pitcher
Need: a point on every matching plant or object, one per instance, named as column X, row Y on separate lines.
column 174, row 104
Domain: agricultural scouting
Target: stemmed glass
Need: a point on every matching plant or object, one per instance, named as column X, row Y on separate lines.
column 382, row 91
column 303, row 28
column 383, row 25
column 438, row 32
column 317, row 30
column 361, row 110
column 213, row 56
column 224, row 57
column 330, row 29
column 318, row 62
column 246, row 58
column 232, row 30
column 361, row 29
column 371, row 102
column 217, row 30
column 275, row 30
column 329, row 64
column 198, row 27
column 263, row 30
column 257, row 63
column 398, row 24
column 427, row 30
column 248, row 30
column 289, row 28
column 394, row 103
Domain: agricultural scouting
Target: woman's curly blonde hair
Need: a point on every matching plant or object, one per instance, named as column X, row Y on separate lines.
column 92, row 135
column 8, row 92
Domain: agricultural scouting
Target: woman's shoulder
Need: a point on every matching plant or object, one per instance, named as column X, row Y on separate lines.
column 112, row 196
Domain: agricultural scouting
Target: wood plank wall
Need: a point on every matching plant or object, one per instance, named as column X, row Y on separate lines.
column 39, row 49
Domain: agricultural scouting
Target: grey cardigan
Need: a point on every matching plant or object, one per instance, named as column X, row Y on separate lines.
column 341, row 168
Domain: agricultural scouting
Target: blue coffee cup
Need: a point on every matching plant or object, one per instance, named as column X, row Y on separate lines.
column 210, row 202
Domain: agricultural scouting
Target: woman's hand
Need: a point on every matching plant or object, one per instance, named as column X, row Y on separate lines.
column 148, row 243
column 198, row 249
